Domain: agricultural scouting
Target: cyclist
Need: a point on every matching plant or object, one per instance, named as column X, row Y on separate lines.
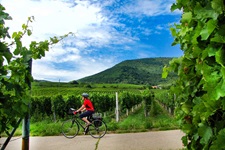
column 87, row 109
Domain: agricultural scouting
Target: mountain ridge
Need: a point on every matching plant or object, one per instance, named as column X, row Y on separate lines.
column 136, row 71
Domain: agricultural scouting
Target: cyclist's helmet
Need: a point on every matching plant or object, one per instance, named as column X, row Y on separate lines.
column 85, row 95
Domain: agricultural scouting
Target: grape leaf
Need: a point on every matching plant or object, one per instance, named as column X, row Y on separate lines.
column 202, row 12
column 219, row 142
column 186, row 17
column 220, row 54
column 208, row 29
column 205, row 132
column 218, row 39
column 218, row 6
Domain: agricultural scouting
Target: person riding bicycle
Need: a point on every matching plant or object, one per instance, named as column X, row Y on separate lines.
column 87, row 109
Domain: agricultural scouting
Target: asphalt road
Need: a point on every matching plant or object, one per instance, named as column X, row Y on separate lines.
column 157, row 140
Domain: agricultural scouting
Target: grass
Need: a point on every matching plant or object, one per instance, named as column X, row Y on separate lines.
column 137, row 122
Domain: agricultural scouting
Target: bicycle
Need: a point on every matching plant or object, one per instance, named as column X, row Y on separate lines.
column 70, row 128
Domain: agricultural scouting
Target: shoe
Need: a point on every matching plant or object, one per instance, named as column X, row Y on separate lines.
column 89, row 124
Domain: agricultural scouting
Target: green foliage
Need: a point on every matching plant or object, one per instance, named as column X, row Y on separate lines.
column 148, row 98
column 13, row 95
column 128, row 100
column 59, row 105
column 200, row 86
column 103, row 102
column 139, row 71
column 15, row 70
column 166, row 99
column 45, row 128
column 43, row 113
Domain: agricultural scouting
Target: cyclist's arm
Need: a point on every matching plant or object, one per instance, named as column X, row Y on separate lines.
column 81, row 108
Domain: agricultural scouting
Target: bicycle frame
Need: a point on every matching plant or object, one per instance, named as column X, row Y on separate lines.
column 78, row 120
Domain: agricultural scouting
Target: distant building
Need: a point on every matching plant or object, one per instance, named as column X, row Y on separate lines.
column 156, row 87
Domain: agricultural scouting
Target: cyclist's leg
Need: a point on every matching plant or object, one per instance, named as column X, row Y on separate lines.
column 84, row 116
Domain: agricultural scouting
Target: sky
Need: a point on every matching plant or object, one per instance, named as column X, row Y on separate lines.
column 107, row 32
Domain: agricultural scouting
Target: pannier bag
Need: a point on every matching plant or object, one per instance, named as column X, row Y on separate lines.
column 97, row 116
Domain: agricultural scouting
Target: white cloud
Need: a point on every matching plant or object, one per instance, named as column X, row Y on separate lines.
column 59, row 54
column 149, row 8
column 56, row 18
column 84, row 67
column 52, row 16
column 47, row 72
column 93, row 25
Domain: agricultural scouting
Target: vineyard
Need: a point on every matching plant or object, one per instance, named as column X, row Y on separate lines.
column 57, row 99
column 51, row 102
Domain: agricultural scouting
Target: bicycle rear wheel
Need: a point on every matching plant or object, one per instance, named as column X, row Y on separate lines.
column 70, row 128
column 97, row 129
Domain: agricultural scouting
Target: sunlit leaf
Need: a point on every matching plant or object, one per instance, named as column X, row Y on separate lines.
column 208, row 29
column 218, row 39
column 220, row 55
column 186, row 17
column 165, row 72
column 186, row 107
column 29, row 32
column 14, row 35
column 205, row 132
column 202, row 12
column 24, row 27
column 173, row 31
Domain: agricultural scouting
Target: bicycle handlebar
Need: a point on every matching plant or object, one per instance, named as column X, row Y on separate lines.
column 73, row 111
column 76, row 112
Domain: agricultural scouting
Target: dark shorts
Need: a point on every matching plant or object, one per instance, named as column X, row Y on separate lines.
column 86, row 114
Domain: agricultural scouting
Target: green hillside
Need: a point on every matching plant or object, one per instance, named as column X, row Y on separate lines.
column 138, row 71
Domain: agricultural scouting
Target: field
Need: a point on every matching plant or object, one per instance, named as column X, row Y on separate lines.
column 54, row 88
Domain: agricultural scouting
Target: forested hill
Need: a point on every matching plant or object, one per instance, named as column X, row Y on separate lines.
column 138, row 71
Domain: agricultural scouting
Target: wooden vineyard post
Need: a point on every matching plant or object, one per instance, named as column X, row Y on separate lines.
column 26, row 120
column 117, row 108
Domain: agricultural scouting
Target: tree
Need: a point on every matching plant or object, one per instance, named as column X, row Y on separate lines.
column 14, row 70
column 200, row 89
column 74, row 82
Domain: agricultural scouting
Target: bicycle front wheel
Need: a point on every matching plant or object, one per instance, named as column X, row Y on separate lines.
column 97, row 129
column 70, row 128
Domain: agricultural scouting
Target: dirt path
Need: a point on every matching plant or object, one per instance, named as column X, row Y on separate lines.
column 157, row 140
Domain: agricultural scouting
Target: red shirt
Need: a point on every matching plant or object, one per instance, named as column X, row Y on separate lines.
column 88, row 105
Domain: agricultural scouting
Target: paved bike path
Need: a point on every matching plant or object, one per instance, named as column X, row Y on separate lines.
column 157, row 140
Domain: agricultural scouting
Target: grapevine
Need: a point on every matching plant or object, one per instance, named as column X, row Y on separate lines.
column 14, row 71
column 200, row 89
